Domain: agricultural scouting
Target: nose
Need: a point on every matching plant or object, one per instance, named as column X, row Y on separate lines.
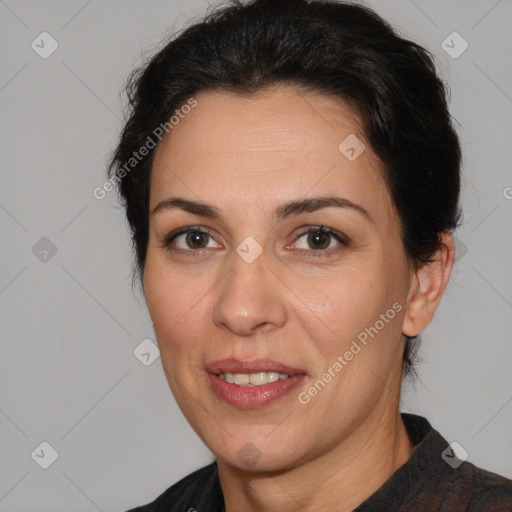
column 251, row 298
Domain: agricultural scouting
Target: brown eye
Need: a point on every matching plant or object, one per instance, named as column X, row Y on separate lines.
column 319, row 240
column 315, row 239
column 187, row 240
column 196, row 238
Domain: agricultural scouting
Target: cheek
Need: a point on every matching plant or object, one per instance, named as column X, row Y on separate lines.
column 176, row 322
column 340, row 305
column 354, row 314
column 170, row 295
column 178, row 306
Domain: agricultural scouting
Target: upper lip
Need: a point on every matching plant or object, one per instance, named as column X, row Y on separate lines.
column 232, row 365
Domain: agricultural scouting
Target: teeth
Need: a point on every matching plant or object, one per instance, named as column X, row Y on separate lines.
column 252, row 379
column 257, row 379
column 241, row 379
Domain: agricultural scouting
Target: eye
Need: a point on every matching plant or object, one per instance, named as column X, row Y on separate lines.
column 192, row 239
column 323, row 240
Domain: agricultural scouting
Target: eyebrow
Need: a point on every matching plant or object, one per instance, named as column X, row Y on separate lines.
column 288, row 209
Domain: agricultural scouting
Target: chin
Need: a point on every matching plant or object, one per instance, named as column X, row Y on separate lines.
column 257, row 453
column 253, row 460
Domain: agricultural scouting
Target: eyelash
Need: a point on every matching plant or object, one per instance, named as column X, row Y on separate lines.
column 319, row 230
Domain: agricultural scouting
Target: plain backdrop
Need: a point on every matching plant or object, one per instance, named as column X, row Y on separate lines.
column 71, row 327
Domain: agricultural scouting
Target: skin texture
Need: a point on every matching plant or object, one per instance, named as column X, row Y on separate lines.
column 246, row 156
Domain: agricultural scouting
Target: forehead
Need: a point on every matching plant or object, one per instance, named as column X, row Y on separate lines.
column 282, row 143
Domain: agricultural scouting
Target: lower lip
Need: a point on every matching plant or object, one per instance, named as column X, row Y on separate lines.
column 247, row 397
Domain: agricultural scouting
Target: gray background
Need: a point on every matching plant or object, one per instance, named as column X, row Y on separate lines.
column 70, row 322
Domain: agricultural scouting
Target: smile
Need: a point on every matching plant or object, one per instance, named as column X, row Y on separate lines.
column 252, row 384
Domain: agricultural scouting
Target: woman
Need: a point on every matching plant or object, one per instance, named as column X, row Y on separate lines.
column 291, row 177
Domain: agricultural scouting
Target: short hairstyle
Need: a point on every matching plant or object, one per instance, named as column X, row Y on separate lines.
column 339, row 49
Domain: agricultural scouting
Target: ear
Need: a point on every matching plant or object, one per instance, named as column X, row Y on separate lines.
column 427, row 288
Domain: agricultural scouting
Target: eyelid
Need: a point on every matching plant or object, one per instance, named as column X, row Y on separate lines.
column 341, row 238
column 167, row 239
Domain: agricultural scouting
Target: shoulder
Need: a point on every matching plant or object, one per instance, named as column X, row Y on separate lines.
column 435, row 478
column 469, row 488
column 490, row 492
column 186, row 494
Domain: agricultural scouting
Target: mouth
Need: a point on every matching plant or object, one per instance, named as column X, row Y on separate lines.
column 252, row 384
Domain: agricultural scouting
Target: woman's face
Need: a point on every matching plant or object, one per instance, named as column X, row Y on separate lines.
column 256, row 289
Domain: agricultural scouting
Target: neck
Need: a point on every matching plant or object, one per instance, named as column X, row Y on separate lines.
column 341, row 479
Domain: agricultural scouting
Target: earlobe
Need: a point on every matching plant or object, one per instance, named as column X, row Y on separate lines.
column 427, row 288
column 414, row 315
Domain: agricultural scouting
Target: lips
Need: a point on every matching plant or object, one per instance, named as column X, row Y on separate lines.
column 256, row 365
column 245, row 397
